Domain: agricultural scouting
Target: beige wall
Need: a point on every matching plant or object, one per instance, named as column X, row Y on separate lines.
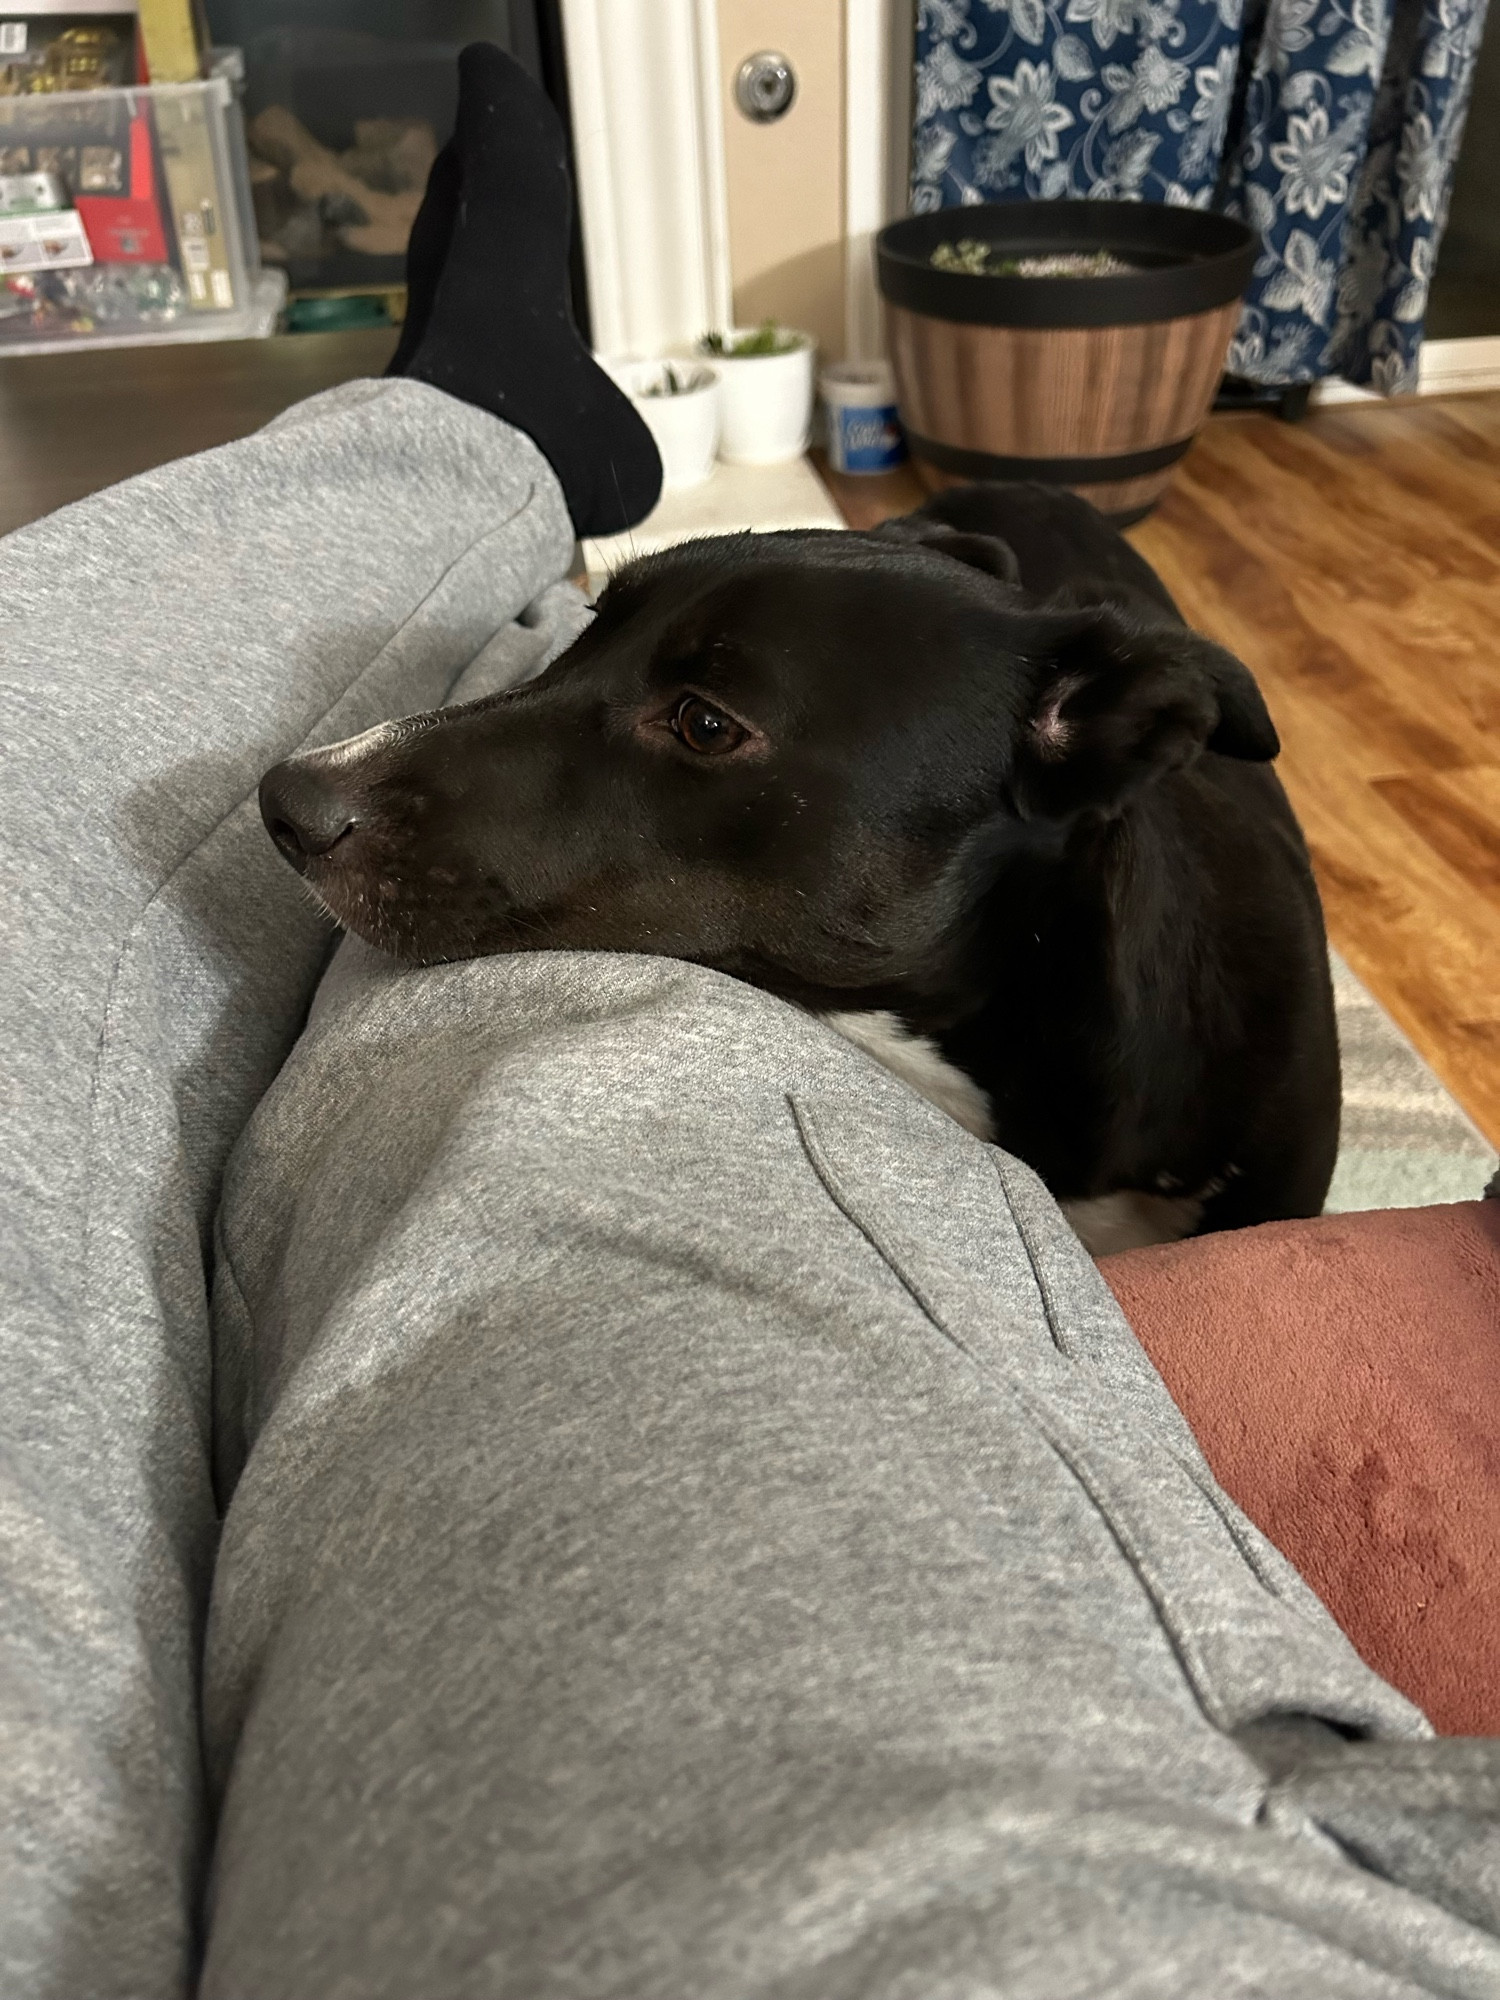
column 785, row 181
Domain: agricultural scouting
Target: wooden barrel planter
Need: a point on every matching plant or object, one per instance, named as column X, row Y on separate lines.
column 1098, row 383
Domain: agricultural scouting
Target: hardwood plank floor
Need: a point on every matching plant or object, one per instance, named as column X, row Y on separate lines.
column 1353, row 561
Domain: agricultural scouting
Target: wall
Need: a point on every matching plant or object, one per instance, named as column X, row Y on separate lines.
column 785, row 180
column 693, row 216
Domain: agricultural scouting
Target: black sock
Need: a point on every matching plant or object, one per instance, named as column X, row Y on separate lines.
column 426, row 252
column 495, row 329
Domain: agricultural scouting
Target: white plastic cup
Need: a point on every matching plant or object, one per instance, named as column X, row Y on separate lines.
column 685, row 426
column 864, row 431
column 767, row 401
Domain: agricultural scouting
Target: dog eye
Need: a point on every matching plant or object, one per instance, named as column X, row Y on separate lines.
column 704, row 728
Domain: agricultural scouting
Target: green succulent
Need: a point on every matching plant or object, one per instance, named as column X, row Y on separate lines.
column 768, row 338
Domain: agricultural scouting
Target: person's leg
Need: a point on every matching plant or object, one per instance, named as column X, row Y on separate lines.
column 164, row 643
column 706, row 1529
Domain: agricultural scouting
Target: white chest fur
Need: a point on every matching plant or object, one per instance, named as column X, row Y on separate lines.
column 919, row 1062
column 1124, row 1221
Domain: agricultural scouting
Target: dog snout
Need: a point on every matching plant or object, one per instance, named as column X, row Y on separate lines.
column 306, row 810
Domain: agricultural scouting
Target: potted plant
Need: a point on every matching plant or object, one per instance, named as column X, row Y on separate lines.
column 1078, row 343
column 767, row 378
column 679, row 402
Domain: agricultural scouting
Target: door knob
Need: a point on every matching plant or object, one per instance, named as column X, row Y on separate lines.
column 765, row 86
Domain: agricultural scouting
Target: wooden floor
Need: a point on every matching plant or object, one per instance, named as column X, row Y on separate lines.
column 1353, row 561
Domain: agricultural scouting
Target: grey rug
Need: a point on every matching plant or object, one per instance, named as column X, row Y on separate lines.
column 1405, row 1142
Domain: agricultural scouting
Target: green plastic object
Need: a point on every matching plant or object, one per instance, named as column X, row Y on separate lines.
column 336, row 315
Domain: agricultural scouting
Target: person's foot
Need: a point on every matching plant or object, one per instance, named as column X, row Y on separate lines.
column 426, row 253
column 488, row 319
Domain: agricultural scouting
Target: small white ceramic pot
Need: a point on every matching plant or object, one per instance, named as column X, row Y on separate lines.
column 767, row 401
column 685, row 425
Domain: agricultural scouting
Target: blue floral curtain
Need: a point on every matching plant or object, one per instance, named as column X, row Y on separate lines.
column 1331, row 126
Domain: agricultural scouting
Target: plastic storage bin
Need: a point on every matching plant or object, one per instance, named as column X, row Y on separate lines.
column 156, row 242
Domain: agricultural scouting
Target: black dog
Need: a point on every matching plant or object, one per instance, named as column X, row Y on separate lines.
column 971, row 771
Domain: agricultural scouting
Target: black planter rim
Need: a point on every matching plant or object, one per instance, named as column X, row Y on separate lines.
column 1109, row 468
column 1195, row 261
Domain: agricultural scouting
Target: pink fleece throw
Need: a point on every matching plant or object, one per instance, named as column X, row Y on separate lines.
column 1343, row 1379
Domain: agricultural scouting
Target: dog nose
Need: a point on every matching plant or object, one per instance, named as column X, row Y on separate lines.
column 304, row 811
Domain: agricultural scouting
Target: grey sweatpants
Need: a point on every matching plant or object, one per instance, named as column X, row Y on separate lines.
column 695, row 1522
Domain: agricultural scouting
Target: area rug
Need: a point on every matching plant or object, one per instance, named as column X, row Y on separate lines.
column 1405, row 1143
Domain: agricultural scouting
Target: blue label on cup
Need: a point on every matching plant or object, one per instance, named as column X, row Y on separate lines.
column 866, row 440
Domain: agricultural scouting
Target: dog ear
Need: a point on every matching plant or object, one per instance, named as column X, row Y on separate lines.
column 1114, row 706
column 986, row 552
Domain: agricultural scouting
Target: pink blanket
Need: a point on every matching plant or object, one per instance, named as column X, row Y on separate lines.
column 1343, row 1379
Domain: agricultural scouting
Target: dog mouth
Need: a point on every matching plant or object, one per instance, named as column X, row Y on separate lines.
column 367, row 905
column 421, row 923
column 354, row 858
column 425, row 908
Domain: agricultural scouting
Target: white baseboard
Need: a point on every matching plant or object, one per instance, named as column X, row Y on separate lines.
column 1444, row 368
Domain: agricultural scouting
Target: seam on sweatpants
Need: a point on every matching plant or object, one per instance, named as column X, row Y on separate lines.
column 1194, row 1667
column 827, row 1173
column 1028, row 1244
column 1196, row 1671
column 224, row 1262
column 127, row 942
column 1246, row 1549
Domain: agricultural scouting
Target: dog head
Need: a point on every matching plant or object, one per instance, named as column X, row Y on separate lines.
column 779, row 755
